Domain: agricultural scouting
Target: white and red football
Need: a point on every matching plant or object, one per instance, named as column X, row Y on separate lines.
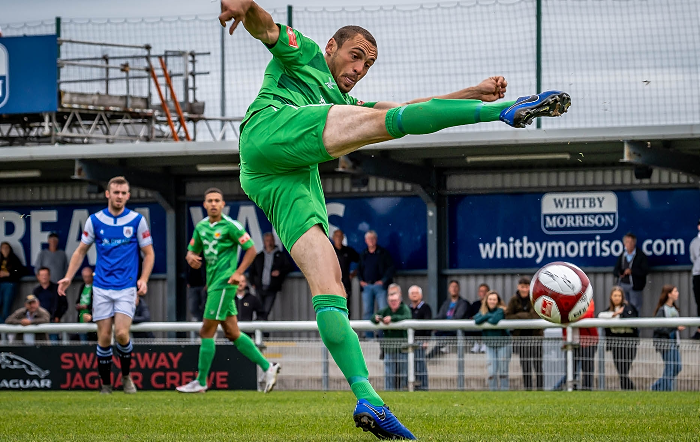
column 560, row 292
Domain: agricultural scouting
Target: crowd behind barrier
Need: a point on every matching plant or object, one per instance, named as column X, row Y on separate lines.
column 307, row 364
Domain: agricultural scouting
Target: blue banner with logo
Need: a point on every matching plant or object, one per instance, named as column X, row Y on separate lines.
column 400, row 223
column 524, row 231
column 27, row 229
column 28, row 74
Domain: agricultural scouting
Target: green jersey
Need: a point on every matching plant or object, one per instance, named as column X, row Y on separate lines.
column 219, row 241
column 85, row 297
column 297, row 75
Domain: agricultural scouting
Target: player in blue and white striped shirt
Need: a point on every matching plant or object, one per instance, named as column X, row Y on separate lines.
column 119, row 234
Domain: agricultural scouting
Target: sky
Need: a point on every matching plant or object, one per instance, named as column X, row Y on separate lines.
column 621, row 61
column 13, row 11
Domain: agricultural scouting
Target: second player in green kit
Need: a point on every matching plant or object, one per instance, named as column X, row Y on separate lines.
column 218, row 238
column 219, row 243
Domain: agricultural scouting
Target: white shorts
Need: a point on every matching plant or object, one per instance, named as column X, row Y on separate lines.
column 105, row 303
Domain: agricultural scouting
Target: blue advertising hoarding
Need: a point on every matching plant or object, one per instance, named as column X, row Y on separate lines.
column 400, row 223
column 28, row 74
column 27, row 228
column 524, row 231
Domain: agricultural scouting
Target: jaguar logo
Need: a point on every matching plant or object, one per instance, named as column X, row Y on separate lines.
column 13, row 362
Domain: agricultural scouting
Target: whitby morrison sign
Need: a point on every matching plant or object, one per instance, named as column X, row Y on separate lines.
column 528, row 230
column 567, row 213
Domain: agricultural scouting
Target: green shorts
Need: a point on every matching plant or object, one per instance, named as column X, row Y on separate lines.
column 280, row 151
column 221, row 303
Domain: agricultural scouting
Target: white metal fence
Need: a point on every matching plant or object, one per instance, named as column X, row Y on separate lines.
column 467, row 361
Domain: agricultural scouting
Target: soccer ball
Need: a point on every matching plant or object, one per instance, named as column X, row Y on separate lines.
column 560, row 292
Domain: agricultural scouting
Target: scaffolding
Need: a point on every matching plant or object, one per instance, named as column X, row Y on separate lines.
column 106, row 95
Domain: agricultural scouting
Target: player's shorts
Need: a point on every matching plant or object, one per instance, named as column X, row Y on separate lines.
column 221, row 303
column 105, row 302
column 280, row 151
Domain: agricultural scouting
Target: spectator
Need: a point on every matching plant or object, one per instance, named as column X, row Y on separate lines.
column 498, row 343
column 31, row 314
column 631, row 269
column 621, row 341
column 420, row 310
column 395, row 358
column 249, row 306
column 454, row 307
column 527, row 343
column 474, row 309
column 268, row 272
column 666, row 339
column 47, row 294
column 197, row 290
column 142, row 314
column 84, row 303
column 376, row 273
column 11, row 270
column 694, row 255
column 52, row 258
column 346, row 256
column 585, row 344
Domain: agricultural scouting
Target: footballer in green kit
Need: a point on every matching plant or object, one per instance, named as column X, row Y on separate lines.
column 218, row 237
column 303, row 116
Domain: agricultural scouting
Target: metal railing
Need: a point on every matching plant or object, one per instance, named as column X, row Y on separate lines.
column 413, row 348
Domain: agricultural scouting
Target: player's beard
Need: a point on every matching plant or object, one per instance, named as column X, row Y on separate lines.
column 332, row 67
column 116, row 208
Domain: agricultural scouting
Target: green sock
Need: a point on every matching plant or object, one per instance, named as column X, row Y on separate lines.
column 437, row 114
column 248, row 348
column 341, row 341
column 206, row 355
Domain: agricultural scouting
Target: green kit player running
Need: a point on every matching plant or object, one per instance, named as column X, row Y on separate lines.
column 219, row 236
column 304, row 116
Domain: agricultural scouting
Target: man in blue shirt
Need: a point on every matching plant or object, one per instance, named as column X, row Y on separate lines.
column 118, row 234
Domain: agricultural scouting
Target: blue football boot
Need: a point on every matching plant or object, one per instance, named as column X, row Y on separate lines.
column 380, row 421
column 526, row 109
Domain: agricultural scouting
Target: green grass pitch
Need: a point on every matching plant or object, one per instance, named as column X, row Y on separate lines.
column 319, row 416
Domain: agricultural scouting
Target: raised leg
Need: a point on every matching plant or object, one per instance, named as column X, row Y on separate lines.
column 350, row 127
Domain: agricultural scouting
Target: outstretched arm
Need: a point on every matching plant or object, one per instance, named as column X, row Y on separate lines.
column 75, row 261
column 257, row 21
column 491, row 89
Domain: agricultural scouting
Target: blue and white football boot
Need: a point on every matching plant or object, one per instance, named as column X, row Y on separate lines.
column 380, row 421
column 526, row 109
